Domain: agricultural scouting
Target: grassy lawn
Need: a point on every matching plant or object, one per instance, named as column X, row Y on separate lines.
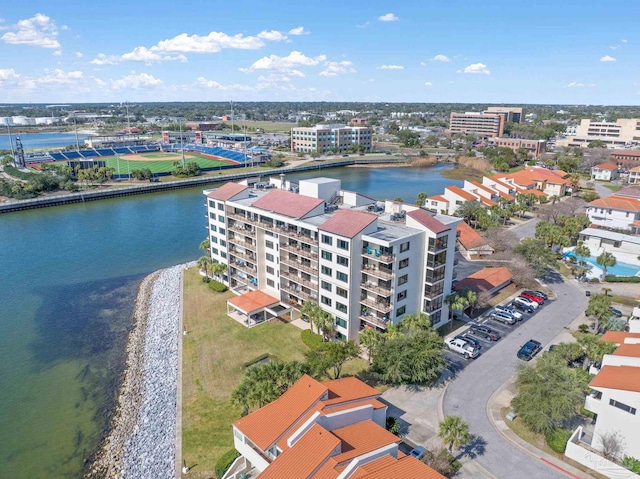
column 463, row 173
column 613, row 187
column 213, row 353
column 626, row 300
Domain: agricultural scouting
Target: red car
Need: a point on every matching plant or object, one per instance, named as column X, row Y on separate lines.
column 533, row 297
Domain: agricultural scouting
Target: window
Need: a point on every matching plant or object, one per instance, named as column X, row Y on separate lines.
column 221, row 206
column 403, row 279
column 269, row 244
column 223, row 231
column 341, row 322
column 326, row 255
column 624, row 407
column 214, row 228
column 404, row 247
column 325, row 300
column 341, row 307
column 342, row 276
column 212, row 204
column 342, row 260
column 214, row 239
column 271, row 283
column 327, row 239
column 430, row 306
column 342, row 244
column 223, row 243
column 325, row 285
column 271, row 271
column 341, row 292
column 269, row 257
column 435, row 317
column 400, row 311
column 404, row 263
column 215, row 250
column 223, row 254
column 326, row 271
column 401, row 295
column 433, row 276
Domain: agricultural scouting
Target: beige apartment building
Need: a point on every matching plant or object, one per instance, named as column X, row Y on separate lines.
column 482, row 124
column 619, row 134
column 510, row 113
column 534, row 147
column 324, row 138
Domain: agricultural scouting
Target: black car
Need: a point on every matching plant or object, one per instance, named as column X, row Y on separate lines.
column 485, row 332
column 616, row 312
column 522, row 307
column 529, row 350
column 476, row 344
column 542, row 294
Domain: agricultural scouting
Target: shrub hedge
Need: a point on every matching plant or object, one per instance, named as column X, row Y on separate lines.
column 631, row 463
column 622, row 279
column 225, row 461
column 217, row 286
column 312, row 340
column 557, row 439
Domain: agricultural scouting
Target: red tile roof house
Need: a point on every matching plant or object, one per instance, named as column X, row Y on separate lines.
column 605, row 172
column 490, row 280
column 322, row 430
column 534, row 180
column 471, row 244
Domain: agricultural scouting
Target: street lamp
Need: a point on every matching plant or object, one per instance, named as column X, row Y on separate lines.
column 13, row 154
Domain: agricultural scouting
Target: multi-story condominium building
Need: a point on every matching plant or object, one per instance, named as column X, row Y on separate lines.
column 511, row 113
column 615, row 212
column 625, row 156
column 605, row 172
column 324, row 138
column 534, row 147
column 367, row 263
column 482, row 124
column 623, row 132
column 330, row 429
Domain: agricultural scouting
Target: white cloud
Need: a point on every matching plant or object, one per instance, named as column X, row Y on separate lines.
column 286, row 64
column 211, row 43
column 138, row 54
column 37, row 31
column 614, row 47
column 364, row 25
column 423, row 64
column 388, row 17
column 428, row 83
column 607, row 58
column 57, row 53
column 79, row 55
column 575, row 84
column 135, row 81
column 103, row 59
column 624, row 40
column 298, row 31
column 477, row 68
column 441, row 58
column 64, row 27
column 8, row 74
column 203, row 82
column 333, row 69
column 272, row 36
column 391, row 67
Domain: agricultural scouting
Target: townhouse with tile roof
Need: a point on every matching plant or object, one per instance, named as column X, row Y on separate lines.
column 367, row 263
column 322, row 430
column 615, row 212
column 605, row 172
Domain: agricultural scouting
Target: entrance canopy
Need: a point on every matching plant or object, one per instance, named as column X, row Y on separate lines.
column 252, row 302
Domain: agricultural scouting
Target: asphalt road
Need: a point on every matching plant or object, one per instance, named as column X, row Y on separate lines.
column 525, row 230
column 468, row 394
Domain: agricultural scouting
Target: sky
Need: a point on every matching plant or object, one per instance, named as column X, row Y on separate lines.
column 540, row 51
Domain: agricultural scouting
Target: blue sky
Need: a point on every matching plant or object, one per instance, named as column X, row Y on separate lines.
column 570, row 52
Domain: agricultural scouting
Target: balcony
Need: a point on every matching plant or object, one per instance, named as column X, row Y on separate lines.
column 250, row 231
column 244, row 256
column 593, row 402
column 380, row 288
column 246, row 267
column 307, row 267
column 299, row 292
column 433, row 291
column 383, row 273
column 381, row 306
column 239, row 217
column 378, row 255
column 299, row 280
column 298, row 236
column 299, row 250
column 371, row 319
column 239, row 240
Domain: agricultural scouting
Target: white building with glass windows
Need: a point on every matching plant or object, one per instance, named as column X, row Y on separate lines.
column 365, row 262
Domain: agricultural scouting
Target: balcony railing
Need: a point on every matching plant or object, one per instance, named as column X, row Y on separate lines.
column 243, row 229
column 374, row 320
column 306, row 252
column 244, row 256
column 298, row 236
column 309, row 268
column 383, row 290
column 241, row 241
column 377, row 255
column 298, row 292
column 299, row 280
column 382, row 306
column 377, row 272
column 238, row 217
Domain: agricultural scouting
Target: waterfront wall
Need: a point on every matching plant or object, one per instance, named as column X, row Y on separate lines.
column 116, row 192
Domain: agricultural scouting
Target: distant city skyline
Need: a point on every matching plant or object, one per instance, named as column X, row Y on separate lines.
column 460, row 51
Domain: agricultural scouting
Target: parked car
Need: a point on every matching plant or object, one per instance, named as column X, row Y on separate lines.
column 503, row 317
column 483, row 331
column 461, row 346
column 543, row 294
column 471, row 340
column 616, row 312
column 417, row 452
column 521, row 307
column 529, row 350
column 508, row 309
column 533, row 297
column 526, row 301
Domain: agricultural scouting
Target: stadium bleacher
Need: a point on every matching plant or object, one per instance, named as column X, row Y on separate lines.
column 222, row 152
column 121, row 150
column 71, row 155
column 58, row 156
column 105, row 151
column 89, row 153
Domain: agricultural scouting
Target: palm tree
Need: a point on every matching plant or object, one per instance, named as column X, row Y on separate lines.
column 420, row 199
column 204, row 262
column 606, row 291
column 470, row 297
column 369, row 338
column 574, row 182
column 454, row 432
column 456, row 302
column 205, row 245
column 606, row 260
column 310, row 310
column 218, row 269
column 416, row 322
column 324, row 324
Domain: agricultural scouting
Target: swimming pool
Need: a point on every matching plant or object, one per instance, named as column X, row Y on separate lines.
column 620, row 269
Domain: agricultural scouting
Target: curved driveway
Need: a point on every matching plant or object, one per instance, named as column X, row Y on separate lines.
column 468, row 394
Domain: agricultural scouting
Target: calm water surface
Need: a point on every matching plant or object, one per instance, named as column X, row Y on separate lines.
column 68, row 277
column 40, row 140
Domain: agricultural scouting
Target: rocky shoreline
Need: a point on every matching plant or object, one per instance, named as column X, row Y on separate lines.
column 141, row 440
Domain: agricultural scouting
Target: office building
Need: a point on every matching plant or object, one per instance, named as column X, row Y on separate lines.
column 622, row 133
column 481, row 124
column 534, row 147
column 510, row 113
column 367, row 263
column 327, row 138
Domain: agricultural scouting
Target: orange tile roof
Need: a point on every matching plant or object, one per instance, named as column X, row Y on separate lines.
column 617, row 203
column 252, row 301
column 636, row 169
column 618, row 337
column 438, row 198
column 486, row 279
column 348, row 389
column 428, row 221
column 361, row 438
column 495, row 179
column 304, row 457
column 625, row 153
column 460, row 192
column 606, row 166
column 268, row 423
column 347, row 223
column 226, row 191
column 287, row 203
column 486, row 201
column 628, row 350
column 625, row 378
column 491, row 191
column 535, row 192
column 405, row 467
column 529, row 176
column 469, row 238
